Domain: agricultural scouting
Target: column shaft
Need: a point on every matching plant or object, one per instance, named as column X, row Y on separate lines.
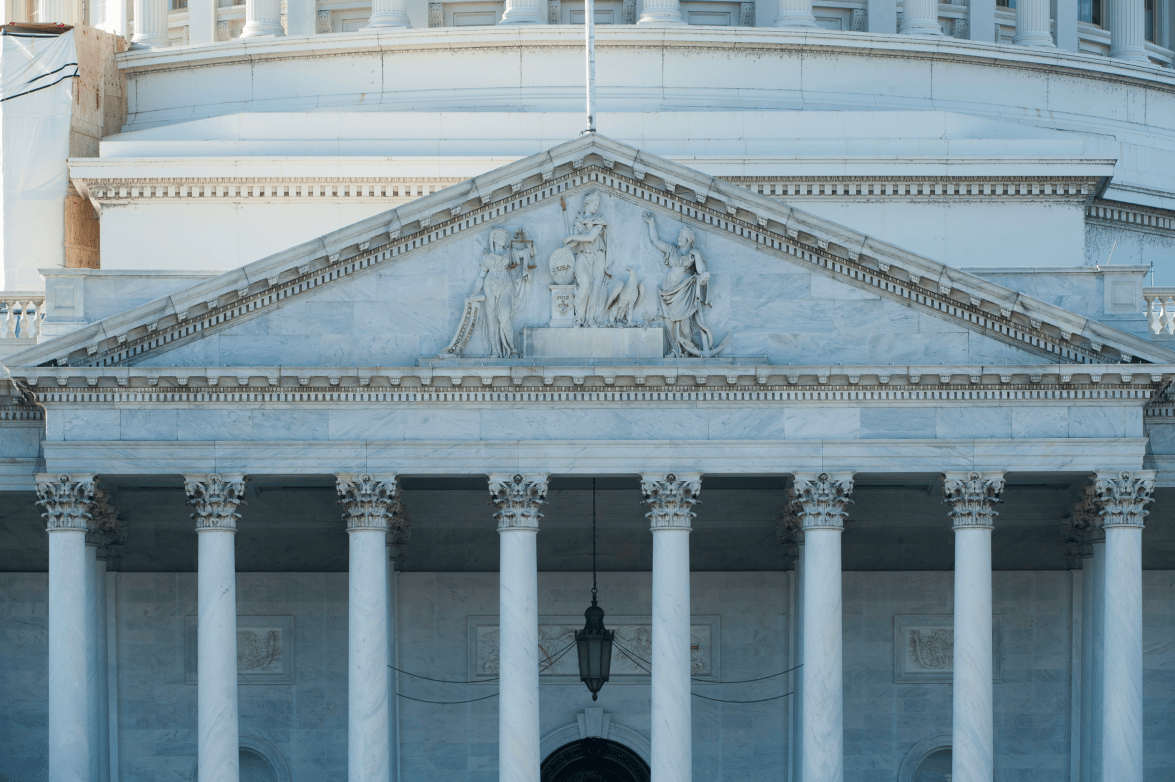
column 69, row 740
column 920, row 17
column 518, row 707
column 823, row 672
column 797, row 678
column 393, row 657
column 1033, row 25
column 93, row 674
column 659, row 12
column 262, row 17
column 1122, row 673
column 1088, row 596
column 524, row 12
column 389, row 13
column 672, row 752
column 1126, row 20
column 367, row 657
column 151, row 23
column 1097, row 667
column 217, row 731
column 973, row 742
column 795, row 13
column 103, row 673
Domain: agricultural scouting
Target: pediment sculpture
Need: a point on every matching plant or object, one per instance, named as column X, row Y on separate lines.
column 499, row 295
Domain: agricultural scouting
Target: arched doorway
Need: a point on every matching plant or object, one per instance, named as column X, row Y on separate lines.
column 594, row 760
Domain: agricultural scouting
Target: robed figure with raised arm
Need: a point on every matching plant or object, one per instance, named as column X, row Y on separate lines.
column 684, row 293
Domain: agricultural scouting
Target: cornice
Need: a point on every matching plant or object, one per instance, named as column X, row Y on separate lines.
column 1131, row 216
column 117, row 190
column 711, row 204
column 1066, row 189
column 595, row 384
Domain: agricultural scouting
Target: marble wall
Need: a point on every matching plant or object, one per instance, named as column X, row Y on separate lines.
column 306, row 721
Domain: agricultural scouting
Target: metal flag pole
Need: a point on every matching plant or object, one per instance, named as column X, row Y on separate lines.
column 589, row 23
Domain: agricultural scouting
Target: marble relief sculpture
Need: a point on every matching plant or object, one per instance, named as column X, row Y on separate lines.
column 685, row 292
column 498, row 296
column 588, row 240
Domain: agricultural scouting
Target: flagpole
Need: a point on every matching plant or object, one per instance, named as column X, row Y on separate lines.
column 589, row 23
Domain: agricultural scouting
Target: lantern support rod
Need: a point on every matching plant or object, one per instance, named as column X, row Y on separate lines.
column 593, row 541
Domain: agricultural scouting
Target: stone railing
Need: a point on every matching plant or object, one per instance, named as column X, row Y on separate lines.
column 1160, row 309
column 20, row 318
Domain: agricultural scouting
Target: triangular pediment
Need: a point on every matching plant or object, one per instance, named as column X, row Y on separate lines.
column 784, row 286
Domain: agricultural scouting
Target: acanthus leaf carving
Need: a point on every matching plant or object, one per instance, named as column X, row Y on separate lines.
column 518, row 499
column 1123, row 497
column 822, row 499
column 369, row 502
column 215, row 498
column 671, row 499
column 67, row 500
column 972, row 497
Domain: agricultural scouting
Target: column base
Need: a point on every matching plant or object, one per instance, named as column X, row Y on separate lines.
column 523, row 16
column 920, row 27
column 660, row 17
column 794, row 19
column 388, row 19
column 1135, row 54
column 259, row 29
column 1037, row 39
column 151, row 41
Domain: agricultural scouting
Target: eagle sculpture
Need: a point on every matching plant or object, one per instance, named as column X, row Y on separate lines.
column 623, row 299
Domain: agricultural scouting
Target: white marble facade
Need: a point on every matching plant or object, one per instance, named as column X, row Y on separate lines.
column 714, row 335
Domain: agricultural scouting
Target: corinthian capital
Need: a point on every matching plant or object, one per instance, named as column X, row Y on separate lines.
column 822, row 499
column 518, row 498
column 1124, row 496
column 215, row 498
column 67, row 500
column 103, row 519
column 972, row 497
column 671, row 499
column 369, row 501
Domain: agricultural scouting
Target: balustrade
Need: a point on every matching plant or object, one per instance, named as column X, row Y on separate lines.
column 20, row 317
column 1160, row 309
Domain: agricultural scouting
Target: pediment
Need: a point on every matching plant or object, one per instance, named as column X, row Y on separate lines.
column 474, row 272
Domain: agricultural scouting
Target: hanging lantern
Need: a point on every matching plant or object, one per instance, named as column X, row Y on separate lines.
column 594, row 641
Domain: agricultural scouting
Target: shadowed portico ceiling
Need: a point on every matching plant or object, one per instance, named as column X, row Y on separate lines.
column 791, row 235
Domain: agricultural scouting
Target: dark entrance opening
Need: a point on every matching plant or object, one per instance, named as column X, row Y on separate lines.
column 594, row 760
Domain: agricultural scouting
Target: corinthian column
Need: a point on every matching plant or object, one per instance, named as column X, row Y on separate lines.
column 215, row 499
column 671, row 499
column 1126, row 20
column 1123, row 497
column 525, row 12
column 1092, row 542
column 67, row 502
column 1033, row 26
column 151, row 23
column 920, row 17
column 822, row 499
column 518, row 499
column 262, row 17
column 795, row 13
column 972, row 497
column 389, row 13
column 369, row 502
column 100, row 536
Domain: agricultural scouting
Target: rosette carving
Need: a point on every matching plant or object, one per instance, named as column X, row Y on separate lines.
column 215, row 498
column 671, row 500
column 822, row 499
column 369, row 502
column 67, row 500
column 972, row 497
column 1123, row 497
column 518, row 499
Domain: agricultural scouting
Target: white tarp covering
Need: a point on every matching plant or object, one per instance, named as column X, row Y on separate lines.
column 37, row 74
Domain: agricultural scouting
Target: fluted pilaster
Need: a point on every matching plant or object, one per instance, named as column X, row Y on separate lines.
column 262, row 17
column 1123, row 497
column 151, row 23
column 518, row 499
column 215, row 499
column 1033, row 24
column 822, row 499
column 972, row 498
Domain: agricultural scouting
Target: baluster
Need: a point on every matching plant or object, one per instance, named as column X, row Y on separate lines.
column 1169, row 315
column 1155, row 315
column 20, row 326
column 7, row 327
column 38, row 313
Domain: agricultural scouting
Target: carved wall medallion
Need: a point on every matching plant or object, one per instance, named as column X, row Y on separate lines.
column 924, row 648
column 265, row 649
column 557, row 632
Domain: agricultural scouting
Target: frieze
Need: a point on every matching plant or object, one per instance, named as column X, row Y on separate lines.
column 716, row 206
column 924, row 648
